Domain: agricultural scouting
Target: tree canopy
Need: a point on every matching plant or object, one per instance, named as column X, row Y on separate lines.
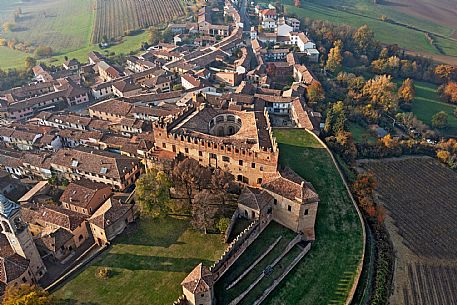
column 26, row 295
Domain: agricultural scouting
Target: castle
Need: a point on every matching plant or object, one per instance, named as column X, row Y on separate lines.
column 235, row 135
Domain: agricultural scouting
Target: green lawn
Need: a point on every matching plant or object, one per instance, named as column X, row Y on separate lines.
column 361, row 134
column 148, row 265
column 428, row 102
column 359, row 12
column 327, row 272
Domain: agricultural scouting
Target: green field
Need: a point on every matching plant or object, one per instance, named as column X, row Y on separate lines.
column 327, row 272
column 64, row 25
column 359, row 12
column 149, row 265
column 428, row 102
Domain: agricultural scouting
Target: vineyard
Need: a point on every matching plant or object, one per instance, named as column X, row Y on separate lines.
column 420, row 196
column 115, row 18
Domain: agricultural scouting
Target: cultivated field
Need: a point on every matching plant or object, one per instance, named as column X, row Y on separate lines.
column 409, row 27
column 114, row 18
column 64, row 25
column 420, row 196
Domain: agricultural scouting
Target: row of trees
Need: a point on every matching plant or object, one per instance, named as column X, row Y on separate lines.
column 188, row 188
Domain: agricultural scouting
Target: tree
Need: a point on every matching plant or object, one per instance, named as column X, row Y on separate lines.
column 189, row 176
column 8, row 26
column 381, row 92
column 153, row 193
column 315, row 93
column 363, row 188
column 449, row 91
column 223, row 224
column 363, row 38
column 407, row 92
column 440, row 120
column 30, row 62
column 154, row 36
column 336, row 119
column 446, row 72
column 221, row 182
column 204, row 210
column 335, row 60
column 43, row 51
column 26, row 295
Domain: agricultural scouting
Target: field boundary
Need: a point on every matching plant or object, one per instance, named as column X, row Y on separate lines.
column 362, row 222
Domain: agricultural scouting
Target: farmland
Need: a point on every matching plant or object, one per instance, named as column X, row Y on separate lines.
column 420, row 197
column 114, row 18
column 409, row 28
column 71, row 28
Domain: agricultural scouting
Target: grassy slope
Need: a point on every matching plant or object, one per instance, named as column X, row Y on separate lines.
column 327, row 272
column 427, row 103
column 148, row 265
column 360, row 12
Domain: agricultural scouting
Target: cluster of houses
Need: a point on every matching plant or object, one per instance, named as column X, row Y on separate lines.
column 78, row 137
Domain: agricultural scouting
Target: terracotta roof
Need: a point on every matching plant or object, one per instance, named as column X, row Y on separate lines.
column 290, row 185
column 199, row 280
column 113, row 106
column 109, row 213
column 81, row 192
column 255, row 198
column 95, row 161
column 12, row 265
column 56, row 239
column 58, row 216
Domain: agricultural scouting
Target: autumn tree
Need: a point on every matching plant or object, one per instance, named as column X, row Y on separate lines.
column 335, row 60
column 204, row 210
column 154, row 36
column 363, row 189
column 190, row 177
column 26, row 295
column 315, row 93
column 153, row 193
column 449, row 92
column 446, row 72
column 363, row 39
column 407, row 92
column 221, row 182
column 382, row 93
column 440, row 120
column 8, row 26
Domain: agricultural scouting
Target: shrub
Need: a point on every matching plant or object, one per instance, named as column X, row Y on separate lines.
column 104, row 272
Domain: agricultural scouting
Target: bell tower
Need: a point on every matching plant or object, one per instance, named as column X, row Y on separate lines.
column 19, row 237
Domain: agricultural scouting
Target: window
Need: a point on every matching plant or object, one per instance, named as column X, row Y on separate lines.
column 200, row 153
column 275, row 201
column 289, row 208
column 253, row 165
column 186, row 150
column 306, row 212
column 259, row 181
column 164, row 145
column 261, row 168
column 240, row 162
column 225, row 159
column 212, row 156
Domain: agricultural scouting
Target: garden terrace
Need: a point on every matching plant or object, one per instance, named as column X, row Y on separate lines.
column 272, row 242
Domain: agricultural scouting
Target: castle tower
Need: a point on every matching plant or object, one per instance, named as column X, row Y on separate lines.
column 19, row 237
column 198, row 286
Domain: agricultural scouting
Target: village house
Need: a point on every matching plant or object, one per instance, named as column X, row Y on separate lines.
column 112, row 110
column 85, row 196
column 112, row 169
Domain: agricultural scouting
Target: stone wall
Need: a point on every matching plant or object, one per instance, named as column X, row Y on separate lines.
column 231, row 225
column 238, row 246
